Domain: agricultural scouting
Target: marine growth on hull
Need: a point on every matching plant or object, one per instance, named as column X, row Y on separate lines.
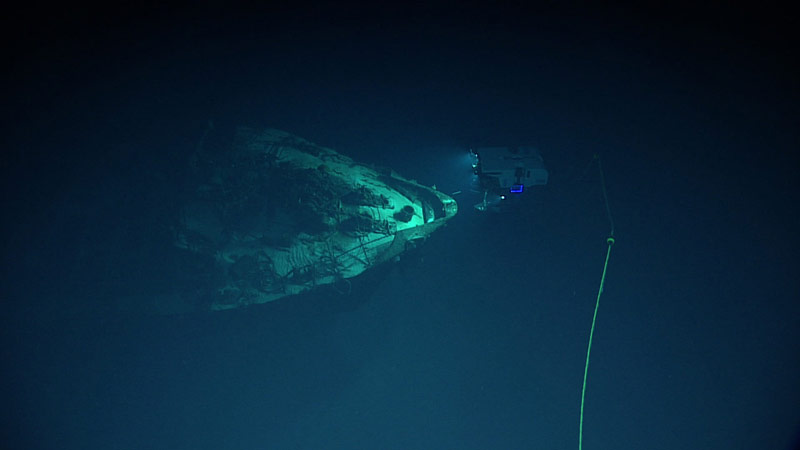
column 274, row 215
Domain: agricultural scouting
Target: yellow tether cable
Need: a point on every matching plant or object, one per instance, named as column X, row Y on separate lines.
column 610, row 241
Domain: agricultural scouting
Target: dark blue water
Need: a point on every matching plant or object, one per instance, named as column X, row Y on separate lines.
column 476, row 341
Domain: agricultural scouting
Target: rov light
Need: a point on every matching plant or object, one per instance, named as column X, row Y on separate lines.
column 517, row 188
column 470, row 158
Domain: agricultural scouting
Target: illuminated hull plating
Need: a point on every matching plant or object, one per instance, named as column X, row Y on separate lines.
column 277, row 215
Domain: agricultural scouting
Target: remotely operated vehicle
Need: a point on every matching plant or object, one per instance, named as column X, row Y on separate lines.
column 506, row 173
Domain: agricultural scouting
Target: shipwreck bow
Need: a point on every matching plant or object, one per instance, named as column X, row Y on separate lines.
column 275, row 215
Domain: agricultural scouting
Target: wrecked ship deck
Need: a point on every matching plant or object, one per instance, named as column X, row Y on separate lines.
column 275, row 215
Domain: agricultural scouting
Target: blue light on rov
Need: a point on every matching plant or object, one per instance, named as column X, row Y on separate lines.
column 517, row 188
